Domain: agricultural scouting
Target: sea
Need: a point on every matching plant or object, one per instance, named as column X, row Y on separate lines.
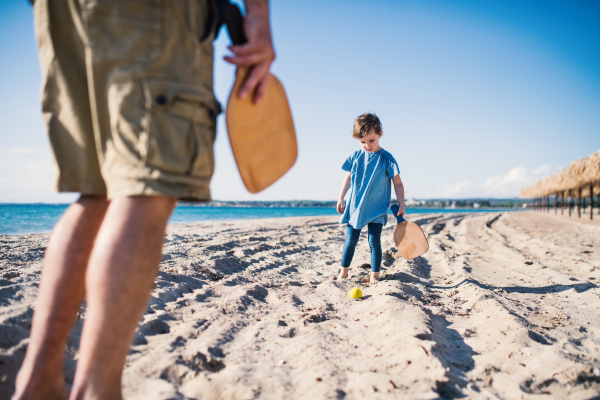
column 22, row 219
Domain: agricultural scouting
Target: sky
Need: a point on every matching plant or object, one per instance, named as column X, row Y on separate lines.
column 478, row 98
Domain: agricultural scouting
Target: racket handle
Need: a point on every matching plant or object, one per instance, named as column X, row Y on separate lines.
column 395, row 209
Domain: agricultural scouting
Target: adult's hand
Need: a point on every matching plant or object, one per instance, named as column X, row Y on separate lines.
column 258, row 53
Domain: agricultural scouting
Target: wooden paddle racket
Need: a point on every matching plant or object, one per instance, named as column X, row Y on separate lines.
column 262, row 136
column 409, row 237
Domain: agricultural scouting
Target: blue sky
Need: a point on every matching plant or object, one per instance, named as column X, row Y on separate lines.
column 477, row 98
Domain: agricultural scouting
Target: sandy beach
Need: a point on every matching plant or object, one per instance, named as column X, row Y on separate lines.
column 503, row 305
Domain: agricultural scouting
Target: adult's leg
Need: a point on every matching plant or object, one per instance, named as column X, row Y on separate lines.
column 376, row 253
column 119, row 280
column 352, row 236
column 61, row 292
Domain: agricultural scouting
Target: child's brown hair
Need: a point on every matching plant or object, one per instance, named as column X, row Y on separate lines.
column 364, row 123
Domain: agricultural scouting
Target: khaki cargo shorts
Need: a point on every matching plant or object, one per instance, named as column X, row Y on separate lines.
column 127, row 95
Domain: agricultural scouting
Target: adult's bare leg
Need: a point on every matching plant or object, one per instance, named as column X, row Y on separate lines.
column 61, row 292
column 119, row 280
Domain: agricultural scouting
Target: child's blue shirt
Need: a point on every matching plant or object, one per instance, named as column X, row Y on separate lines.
column 370, row 190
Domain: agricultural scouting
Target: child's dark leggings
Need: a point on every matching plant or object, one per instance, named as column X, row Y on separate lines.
column 374, row 242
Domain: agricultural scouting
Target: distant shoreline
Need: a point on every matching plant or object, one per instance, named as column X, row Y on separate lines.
column 458, row 204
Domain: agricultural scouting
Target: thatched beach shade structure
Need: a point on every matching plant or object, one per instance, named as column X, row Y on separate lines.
column 581, row 180
column 574, row 176
column 591, row 175
column 560, row 180
column 553, row 185
column 592, row 169
column 591, row 180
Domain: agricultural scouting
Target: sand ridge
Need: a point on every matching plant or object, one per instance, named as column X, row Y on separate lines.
column 503, row 305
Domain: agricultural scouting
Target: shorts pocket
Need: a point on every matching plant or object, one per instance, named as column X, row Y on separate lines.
column 124, row 29
column 180, row 127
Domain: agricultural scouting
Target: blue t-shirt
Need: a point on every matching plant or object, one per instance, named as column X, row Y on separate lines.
column 368, row 197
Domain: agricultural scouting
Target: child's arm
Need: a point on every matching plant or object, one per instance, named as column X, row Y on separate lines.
column 399, row 189
column 345, row 186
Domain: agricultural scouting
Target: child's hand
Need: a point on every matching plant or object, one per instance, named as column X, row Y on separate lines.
column 401, row 211
column 340, row 206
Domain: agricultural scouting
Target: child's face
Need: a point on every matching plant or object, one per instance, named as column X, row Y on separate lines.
column 370, row 142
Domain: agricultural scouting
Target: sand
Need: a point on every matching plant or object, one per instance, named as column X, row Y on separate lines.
column 504, row 305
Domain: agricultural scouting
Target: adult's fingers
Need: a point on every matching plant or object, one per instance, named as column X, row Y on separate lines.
column 243, row 49
column 245, row 61
column 261, row 88
column 258, row 73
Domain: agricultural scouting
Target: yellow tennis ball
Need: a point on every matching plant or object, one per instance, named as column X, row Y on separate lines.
column 356, row 293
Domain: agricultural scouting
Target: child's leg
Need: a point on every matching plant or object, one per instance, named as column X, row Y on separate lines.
column 376, row 253
column 348, row 252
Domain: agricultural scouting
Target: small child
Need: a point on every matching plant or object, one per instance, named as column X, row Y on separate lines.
column 370, row 171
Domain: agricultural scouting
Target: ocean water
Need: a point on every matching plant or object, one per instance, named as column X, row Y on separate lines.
column 20, row 219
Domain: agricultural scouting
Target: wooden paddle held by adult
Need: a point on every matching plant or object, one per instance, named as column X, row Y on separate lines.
column 259, row 124
column 409, row 237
